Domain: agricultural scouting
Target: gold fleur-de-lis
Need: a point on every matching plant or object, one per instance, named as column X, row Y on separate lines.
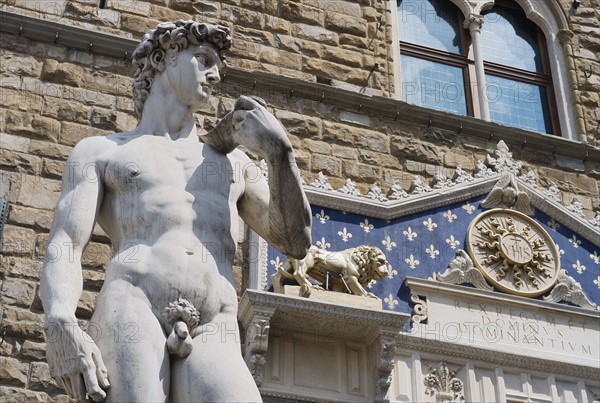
column 322, row 216
column 366, row 226
column 430, row 224
column 371, row 283
column 277, row 263
column 450, row 216
column 412, row 262
column 597, row 282
column 575, row 242
column 392, row 273
column 452, row 242
column 410, row 234
column 469, row 208
column 388, row 243
column 579, row 267
column 345, row 235
column 390, row 301
column 595, row 257
column 432, row 251
column 323, row 244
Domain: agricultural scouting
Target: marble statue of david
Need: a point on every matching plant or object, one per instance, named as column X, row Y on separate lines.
column 165, row 325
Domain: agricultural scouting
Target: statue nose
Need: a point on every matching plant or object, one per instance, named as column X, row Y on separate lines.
column 213, row 76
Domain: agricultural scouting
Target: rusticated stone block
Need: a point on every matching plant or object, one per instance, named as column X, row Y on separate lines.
column 301, row 13
column 405, row 147
column 17, row 241
column 63, row 73
column 379, row 159
column 316, row 34
column 13, row 372
column 25, row 163
column 20, row 99
column 135, row 7
column 39, row 193
column 21, row 267
column 19, row 123
column 41, row 380
column 86, row 305
column 243, row 17
column 275, row 24
column 46, row 149
column 18, row 395
column 345, row 24
column 64, row 110
column 330, row 166
column 315, row 146
column 137, row 25
column 280, row 58
column 361, row 172
column 346, row 57
column 357, row 137
column 18, row 292
column 23, row 324
column 301, row 125
column 33, row 350
column 346, row 153
column 167, row 14
column 52, row 168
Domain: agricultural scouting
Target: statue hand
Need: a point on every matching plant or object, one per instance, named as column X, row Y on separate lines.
column 258, row 130
column 75, row 361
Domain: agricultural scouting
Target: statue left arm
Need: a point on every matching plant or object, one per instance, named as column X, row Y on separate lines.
column 278, row 211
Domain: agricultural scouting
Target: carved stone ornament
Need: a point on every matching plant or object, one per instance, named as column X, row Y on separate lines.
column 444, row 384
column 568, row 289
column 385, row 350
column 347, row 271
column 462, row 271
column 321, row 182
column 349, row 188
column 375, row 193
column 419, row 310
column 257, row 343
column 552, row 193
column 513, row 252
column 506, row 194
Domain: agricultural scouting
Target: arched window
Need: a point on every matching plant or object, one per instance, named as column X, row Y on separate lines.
column 519, row 83
column 439, row 70
column 433, row 59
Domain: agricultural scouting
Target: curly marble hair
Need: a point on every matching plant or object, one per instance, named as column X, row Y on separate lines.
column 149, row 56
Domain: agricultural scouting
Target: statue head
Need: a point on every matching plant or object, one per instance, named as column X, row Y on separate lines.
column 164, row 42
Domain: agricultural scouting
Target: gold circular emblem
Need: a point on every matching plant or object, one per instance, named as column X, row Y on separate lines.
column 513, row 252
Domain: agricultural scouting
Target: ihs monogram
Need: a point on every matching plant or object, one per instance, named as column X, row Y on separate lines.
column 513, row 252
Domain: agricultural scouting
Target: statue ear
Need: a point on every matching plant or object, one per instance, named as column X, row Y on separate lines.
column 157, row 60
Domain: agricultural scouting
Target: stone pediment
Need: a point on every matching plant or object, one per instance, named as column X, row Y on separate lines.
column 421, row 229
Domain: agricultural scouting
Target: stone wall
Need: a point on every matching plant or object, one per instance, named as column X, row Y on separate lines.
column 51, row 97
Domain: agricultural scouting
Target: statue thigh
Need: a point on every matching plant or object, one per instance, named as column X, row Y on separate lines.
column 215, row 370
column 133, row 345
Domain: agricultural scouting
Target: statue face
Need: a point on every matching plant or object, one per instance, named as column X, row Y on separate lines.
column 192, row 72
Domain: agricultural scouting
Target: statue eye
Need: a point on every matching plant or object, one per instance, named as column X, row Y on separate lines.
column 202, row 59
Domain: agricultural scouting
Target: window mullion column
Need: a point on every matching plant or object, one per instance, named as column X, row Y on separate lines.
column 474, row 23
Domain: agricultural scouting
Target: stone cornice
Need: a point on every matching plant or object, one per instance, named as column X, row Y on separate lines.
column 418, row 284
column 253, row 299
column 398, row 208
column 79, row 38
column 445, row 349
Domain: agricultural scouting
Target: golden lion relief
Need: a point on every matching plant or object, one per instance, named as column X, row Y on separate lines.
column 347, row 271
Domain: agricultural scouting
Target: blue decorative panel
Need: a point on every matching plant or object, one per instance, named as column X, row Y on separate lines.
column 421, row 244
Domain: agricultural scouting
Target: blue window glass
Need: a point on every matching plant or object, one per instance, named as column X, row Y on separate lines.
column 518, row 104
column 430, row 23
column 433, row 85
column 510, row 39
